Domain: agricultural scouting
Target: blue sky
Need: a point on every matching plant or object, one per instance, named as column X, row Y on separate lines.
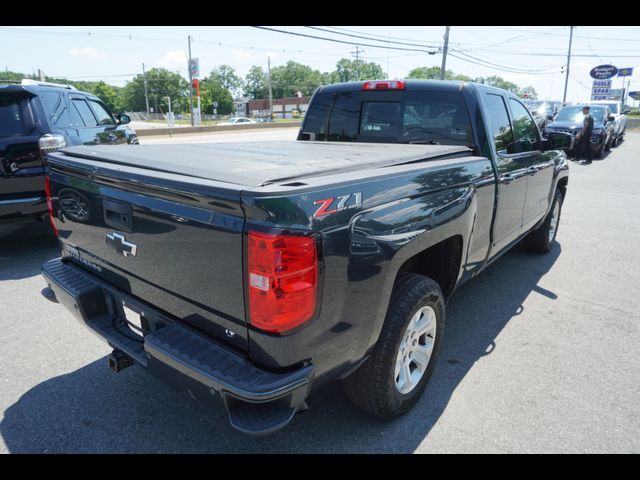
column 531, row 55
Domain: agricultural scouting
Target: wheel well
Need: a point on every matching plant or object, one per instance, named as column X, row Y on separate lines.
column 562, row 185
column 441, row 262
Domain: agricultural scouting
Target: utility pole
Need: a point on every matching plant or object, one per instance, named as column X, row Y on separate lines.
column 270, row 91
column 566, row 80
column 146, row 94
column 444, row 53
column 357, row 65
column 190, row 84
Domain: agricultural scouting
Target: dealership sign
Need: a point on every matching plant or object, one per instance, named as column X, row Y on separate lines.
column 601, row 90
column 603, row 71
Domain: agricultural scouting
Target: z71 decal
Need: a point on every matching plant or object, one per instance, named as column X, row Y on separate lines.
column 333, row 205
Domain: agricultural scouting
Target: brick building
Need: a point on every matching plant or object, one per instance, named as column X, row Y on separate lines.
column 281, row 106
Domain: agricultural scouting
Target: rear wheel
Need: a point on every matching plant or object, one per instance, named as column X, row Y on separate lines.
column 399, row 368
column 541, row 239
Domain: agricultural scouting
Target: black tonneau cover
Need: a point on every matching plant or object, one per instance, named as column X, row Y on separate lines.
column 260, row 163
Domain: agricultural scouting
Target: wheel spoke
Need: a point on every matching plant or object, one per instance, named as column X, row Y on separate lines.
column 407, row 385
column 421, row 355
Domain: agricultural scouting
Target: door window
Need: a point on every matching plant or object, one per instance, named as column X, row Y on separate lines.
column 499, row 120
column 84, row 113
column 525, row 129
column 104, row 117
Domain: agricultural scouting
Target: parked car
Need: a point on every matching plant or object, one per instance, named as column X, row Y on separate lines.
column 570, row 120
column 619, row 115
column 264, row 120
column 259, row 272
column 39, row 117
column 237, row 121
column 543, row 111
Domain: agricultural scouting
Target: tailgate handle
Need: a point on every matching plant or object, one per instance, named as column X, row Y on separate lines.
column 117, row 214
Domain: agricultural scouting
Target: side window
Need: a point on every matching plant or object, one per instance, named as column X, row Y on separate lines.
column 84, row 112
column 500, row 126
column 56, row 110
column 525, row 129
column 104, row 117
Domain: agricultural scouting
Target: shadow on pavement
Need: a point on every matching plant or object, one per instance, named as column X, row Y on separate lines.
column 25, row 249
column 94, row 410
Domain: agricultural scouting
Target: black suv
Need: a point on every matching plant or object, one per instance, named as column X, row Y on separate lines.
column 37, row 117
column 571, row 118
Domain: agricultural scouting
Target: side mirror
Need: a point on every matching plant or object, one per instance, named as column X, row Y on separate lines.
column 611, row 118
column 123, row 118
column 626, row 111
column 559, row 141
column 550, row 117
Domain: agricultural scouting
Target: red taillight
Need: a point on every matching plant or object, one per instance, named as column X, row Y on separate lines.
column 283, row 278
column 47, row 191
column 384, row 85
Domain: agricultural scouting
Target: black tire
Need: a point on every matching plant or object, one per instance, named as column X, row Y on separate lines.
column 607, row 146
column 600, row 152
column 538, row 240
column 373, row 386
column 614, row 141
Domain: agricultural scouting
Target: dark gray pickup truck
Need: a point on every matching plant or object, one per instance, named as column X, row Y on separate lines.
column 258, row 272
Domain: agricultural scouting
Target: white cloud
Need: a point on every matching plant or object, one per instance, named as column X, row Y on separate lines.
column 173, row 58
column 240, row 53
column 87, row 52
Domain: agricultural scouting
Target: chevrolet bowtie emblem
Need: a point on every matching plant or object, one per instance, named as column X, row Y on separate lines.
column 120, row 244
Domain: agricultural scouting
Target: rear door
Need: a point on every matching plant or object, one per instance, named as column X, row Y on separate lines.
column 538, row 164
column 21, row 167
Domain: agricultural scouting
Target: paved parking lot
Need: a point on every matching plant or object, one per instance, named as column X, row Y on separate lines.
column 541, row 354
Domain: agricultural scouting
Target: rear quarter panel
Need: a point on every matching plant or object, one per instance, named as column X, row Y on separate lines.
column 404, row 210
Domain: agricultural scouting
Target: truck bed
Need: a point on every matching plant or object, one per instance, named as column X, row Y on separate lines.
column 255, row 164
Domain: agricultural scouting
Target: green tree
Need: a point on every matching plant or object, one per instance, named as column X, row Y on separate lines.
column 294, row 77
column 108, row 94
column 161, row 83
column 212, row 90
column 434, row 73
column 255, row 83
column 226, row 76
column 530, row 92
column 356, row 70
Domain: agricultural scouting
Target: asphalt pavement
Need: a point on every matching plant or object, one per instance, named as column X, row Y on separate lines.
column 541, row 354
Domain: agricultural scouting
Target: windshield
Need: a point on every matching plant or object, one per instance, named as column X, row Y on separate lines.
column 389, row 117
column 574, row 114
column 613, row 107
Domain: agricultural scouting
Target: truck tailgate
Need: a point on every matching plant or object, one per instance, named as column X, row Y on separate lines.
column 174, row 242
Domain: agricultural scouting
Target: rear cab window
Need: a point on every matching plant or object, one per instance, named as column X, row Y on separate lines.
column 419, row 116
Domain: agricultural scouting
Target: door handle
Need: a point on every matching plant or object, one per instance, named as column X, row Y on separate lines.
column 506, row 178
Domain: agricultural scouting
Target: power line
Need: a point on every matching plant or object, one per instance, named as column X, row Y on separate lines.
column 335, row 40
column 490, row 63
column 373, row 39
column 383, row 36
